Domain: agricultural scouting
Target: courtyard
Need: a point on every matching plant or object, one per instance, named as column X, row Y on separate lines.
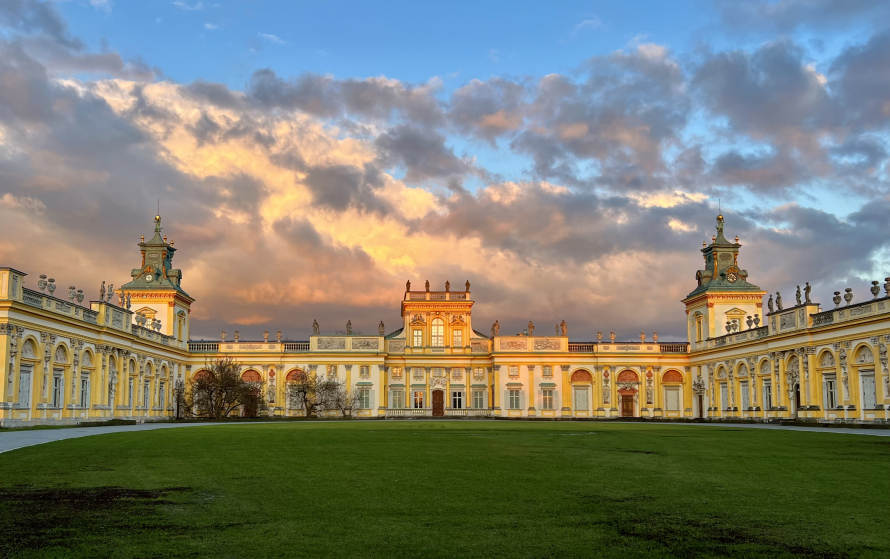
column 446, row 489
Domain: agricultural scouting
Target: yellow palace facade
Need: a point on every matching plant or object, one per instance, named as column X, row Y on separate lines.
column 125, row 355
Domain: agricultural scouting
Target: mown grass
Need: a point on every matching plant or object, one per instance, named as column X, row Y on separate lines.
column 449, row 489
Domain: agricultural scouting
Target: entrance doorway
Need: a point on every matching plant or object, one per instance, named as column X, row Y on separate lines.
column 701, row 406
column 627, row 405
column 438, row 403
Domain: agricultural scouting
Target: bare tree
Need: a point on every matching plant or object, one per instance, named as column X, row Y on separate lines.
column 345, row 400
column 221, row 391
column 316, row 393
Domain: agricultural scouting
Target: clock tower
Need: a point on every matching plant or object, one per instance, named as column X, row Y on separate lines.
column 155, row 290
column 723, row 295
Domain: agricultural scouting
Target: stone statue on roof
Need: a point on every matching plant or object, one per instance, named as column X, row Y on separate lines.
column 770, row 305
column 531, row 328
column 315, row 328
column 797, row 296
column 806, row 292
column 381, row 329
column 779, row 300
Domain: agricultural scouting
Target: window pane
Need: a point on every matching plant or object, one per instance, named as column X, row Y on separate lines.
column 458, row 338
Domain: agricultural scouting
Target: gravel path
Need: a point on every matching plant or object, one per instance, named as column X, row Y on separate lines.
column 21, row 439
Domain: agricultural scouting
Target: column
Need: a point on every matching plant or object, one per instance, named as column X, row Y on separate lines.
column 531, row 390
column 496, row 389
column 383, row 398
column 566, row 392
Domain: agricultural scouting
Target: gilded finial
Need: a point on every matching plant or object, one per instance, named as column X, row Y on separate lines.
column 142, row 238
column 158, row 223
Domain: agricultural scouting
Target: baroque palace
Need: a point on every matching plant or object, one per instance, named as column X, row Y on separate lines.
column 125, row 355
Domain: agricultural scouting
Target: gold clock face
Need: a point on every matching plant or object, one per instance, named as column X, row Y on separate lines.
column 149, row 277
column 731, row 277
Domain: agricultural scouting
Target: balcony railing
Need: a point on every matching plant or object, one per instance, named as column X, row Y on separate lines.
column 681, row 347
column 409, row 412
column 581, row 347
column 203, row 347
column 296, row 347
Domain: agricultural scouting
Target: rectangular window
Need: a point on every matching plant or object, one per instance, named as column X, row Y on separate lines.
column 548, row 371
column 332, row 370
column 396, row 372
column 458, row 338
column 85, row 392
column 514, row 399
column 364, row 399
column 478, row 399
column 698, row 330
column 162, row 395
column 479, row 373
column 672, row 398
column 418, row 337
column 130, row 394
column 581, row 403
column 767, row 395
column 25, row 386
column 745, row 403
column 869, row 396
column 513, row 370
column 547, row 400
column 457, row 400
column 418, row 399
column 57, row 391
column 398, row 399
column 146, row 394
column 724, row 396
column 830, row 393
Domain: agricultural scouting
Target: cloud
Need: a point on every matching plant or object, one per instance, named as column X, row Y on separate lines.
column 211, row 26
column 787, row 15
column 186, row 7
column 272, row 38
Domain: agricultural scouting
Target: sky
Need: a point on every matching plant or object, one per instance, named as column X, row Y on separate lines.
column 567, row 159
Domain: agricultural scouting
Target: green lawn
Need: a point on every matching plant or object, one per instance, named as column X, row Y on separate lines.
column 446, row 489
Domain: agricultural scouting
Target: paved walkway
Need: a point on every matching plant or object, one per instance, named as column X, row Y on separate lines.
column 21, row 439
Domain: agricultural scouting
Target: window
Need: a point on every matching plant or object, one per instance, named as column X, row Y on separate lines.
column 581, row 400
column 364, row 399
column 25, row 386
column 130, row 394
column 698, row 329
column 513, row 370
column 724, row 396
column 479, row 373
column 547, row 402
column 146, row 392
column 869, row 395
column 398, row 399
column 457, row 400
column 672, row 398
column 57, row 389
column 745, row 396
column 438, row 333
column 85, row 392
column 396, row 372
column 332, row 370
column 162, row 396
column 418, row 399
column 418, row 337
column 830, row 393
column 767, row 395
column 548, row 371
column 478, row 399
column 514, row 399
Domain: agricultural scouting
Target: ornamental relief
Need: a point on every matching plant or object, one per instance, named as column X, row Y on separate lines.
column 547, row 345
column 397, row 346
column 61, row 355
column 865, row 356
column 521, row 345
column 29, row 350
column 331, row 343
column 366, row 343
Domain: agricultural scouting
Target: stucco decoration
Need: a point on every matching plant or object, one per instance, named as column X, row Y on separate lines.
column 331, row 343
column 672, row 376
column 827, row 359
column 366, row 343
column 582, row 376
column 514, row 344
column 61, row 355
column 87, row 360
column 29, row 350
column 397, row 346
column 864, row 355
column 628, row 376
column 547, row 345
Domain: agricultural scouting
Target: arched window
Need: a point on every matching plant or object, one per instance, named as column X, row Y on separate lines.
column 438, row 333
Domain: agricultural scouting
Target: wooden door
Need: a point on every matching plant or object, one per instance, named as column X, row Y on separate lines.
column 627, row 405
column 438, row 403
column 701, row 406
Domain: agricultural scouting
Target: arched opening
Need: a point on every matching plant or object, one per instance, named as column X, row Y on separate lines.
column 581, row 396
column 438, row 403
column 673, row 396
column 202, row 374
column 251, row 376
column 437, row 333
column 628, row 393
column 672, row 376
column 582, row 376
column 295, row 375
